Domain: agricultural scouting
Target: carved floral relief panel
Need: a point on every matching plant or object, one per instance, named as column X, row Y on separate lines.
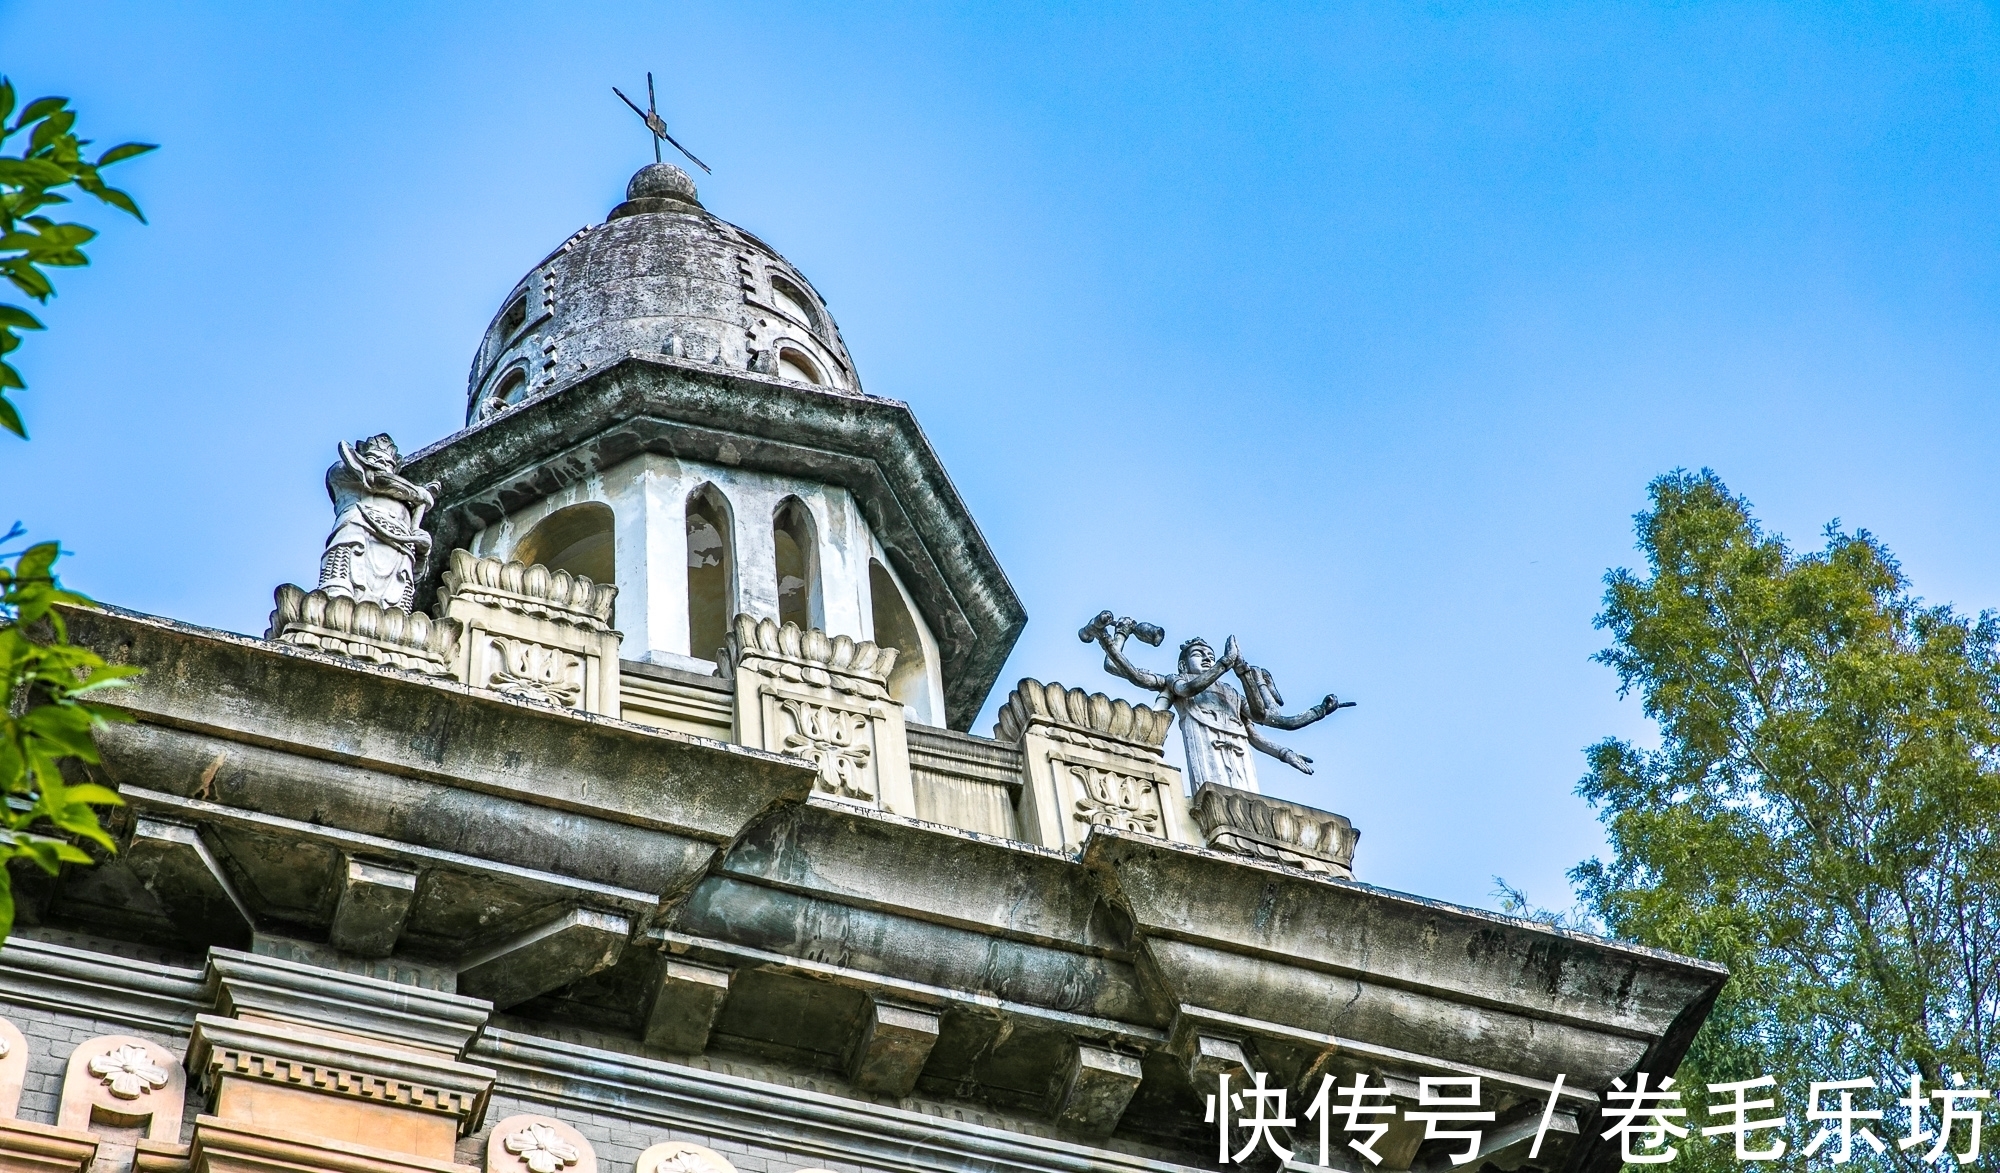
column 538, row 1144
column 1069, row 788
column 124, row 1082
column 824, row 699
column 528, row 670
column 836, row 739
column 1110, row 798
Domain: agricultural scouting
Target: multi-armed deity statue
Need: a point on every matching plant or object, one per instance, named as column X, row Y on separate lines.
column 1218, row 723
column 378, row 542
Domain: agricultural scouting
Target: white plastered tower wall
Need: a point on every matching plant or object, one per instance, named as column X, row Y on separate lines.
column 648, row 496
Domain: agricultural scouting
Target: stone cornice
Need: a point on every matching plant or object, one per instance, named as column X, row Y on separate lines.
column 26, row 1147
column 271, row 987
column 439, row 731
column 121, row 990
column 871, row 447
column 225, row 1146
column 338, row 1065
column 833, row 1128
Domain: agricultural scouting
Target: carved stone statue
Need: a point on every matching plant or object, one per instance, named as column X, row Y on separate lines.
column 378, row 541
column 1218, row 723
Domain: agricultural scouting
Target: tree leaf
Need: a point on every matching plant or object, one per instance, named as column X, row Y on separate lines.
column 124, row 151
column 38, row 109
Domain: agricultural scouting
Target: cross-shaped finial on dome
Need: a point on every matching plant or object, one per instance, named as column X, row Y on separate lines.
column 656, row 124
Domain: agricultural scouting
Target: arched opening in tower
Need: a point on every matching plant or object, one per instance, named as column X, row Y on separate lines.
column 576, row 538
column 909, row 682
column 711, row 572
column 797, row 543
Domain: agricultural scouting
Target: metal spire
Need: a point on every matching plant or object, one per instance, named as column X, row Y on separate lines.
column 658, row 125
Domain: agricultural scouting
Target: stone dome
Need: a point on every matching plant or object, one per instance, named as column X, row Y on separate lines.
column 660, row 276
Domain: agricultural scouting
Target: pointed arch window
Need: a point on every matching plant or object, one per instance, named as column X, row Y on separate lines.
column 909, row 681
column 711, row 569
column 797, row 543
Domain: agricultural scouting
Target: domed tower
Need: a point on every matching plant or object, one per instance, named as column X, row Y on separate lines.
column 660, row 276
column 664, row 403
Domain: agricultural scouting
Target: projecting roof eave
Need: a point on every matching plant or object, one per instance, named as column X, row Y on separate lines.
column 871, row 447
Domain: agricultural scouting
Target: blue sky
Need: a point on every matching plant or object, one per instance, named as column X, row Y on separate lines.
column 1354, row 330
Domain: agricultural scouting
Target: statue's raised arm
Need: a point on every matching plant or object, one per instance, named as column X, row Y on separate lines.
column 1110, row 633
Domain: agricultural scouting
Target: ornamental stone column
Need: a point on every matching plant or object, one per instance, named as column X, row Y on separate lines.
column 318, row 1069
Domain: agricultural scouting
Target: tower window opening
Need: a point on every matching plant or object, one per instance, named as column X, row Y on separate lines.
column 909, row 680
column 711, row 570
column 797, row 545
column 579, row 539
column 794, row 302
column 794, row 365
column 513, row 386
column 515, row 317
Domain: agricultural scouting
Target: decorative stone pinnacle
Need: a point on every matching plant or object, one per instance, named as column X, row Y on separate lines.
column 811, row 656
column 340, row 626
column 1272, row 829
column 531, row 590
column 1087, row 716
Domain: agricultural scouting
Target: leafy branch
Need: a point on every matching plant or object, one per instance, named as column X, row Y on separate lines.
column 50, row 688
column 52, row 159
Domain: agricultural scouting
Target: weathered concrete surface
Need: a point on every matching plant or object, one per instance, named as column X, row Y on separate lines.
column 1311, row 974
column 293, row 763
column 871, row 447
column 691, row 896
column 178, row 868
column 1096, row 1091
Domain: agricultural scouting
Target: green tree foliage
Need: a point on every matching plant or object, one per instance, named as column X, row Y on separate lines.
column 51, row 160
column 51, row 688
column 51, row 713
column 1823, row 812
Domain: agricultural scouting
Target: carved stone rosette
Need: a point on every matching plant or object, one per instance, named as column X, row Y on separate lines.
column 533, row 633
column 1263, row 827
column 1090, row 760
column 372, row 634
column 825, row 699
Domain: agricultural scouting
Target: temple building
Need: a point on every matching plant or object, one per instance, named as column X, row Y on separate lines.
column 610, row 803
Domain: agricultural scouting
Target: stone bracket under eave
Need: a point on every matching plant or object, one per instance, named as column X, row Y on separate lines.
column 547, row 957
column 895, row 1040
column 373, row 906
column 178, row 867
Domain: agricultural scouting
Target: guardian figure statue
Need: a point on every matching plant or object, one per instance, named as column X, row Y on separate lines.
column 378, row 541
column 1218, row 723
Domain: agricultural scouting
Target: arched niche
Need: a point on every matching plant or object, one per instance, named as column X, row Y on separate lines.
column 796, row 541
column 576, row 538
column 711, row 569
column 895, row 627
